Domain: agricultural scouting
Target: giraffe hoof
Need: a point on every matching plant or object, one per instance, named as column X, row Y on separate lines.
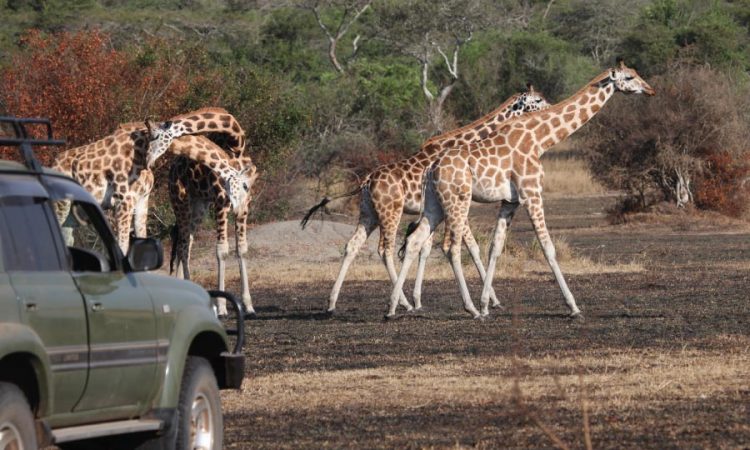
column 389, row 317
column 250, row 315
column 498, row 305
column 578, row 315
column 330, row 312
column 480, row 317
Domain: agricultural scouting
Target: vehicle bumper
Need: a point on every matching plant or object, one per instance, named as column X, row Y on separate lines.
column 234, row 370
column 233, row 362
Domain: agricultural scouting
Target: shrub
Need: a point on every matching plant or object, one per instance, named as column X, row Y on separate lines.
column 85, row 86
column 688, row 143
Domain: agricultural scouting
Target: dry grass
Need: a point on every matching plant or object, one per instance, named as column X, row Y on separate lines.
column 519, row 260
column 569, row 177
column 625, row 381
column 566, row 173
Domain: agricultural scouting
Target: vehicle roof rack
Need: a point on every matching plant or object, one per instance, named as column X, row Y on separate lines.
column 25, row 143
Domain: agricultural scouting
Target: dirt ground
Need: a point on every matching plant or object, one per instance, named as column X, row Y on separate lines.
column 661, row 359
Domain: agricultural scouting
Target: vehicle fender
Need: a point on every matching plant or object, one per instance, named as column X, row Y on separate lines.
column 189, row 323
column 18, row 339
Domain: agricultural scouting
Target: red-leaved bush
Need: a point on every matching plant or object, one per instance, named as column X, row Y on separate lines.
column 85, row 86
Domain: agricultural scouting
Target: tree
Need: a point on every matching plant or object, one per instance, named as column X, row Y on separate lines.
column 434, row 34
column 348, row 12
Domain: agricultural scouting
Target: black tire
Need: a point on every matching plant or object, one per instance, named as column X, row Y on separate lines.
column 199, row 394
column 16, row 419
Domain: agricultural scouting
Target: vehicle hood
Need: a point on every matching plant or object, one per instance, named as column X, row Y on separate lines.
column 174, row 293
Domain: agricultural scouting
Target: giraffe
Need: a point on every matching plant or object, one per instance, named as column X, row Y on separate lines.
column 395, row 188
column 203, row 121
column 192, row 188
column 507, row 169
column 114, row 169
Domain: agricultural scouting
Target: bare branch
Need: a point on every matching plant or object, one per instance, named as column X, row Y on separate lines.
column 341, row 29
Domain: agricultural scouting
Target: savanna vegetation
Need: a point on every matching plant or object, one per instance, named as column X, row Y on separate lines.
column 329, row 89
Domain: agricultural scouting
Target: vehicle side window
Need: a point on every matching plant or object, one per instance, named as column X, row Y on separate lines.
column 82, row 229
column 28, row 243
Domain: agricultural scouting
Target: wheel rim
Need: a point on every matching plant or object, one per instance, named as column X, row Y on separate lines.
column 201, row 424
column 10, row 438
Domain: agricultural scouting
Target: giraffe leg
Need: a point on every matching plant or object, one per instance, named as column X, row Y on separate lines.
column 432, row 216
column 222, row 244
column 496, row 248
column 536, row 213
column 123, row 221
column 424, row 253
column 241, row 238
column 456, row 219
column 368, row 220
column 388, row 229
column 473, row 247
column 62, row 210
column 143, row 187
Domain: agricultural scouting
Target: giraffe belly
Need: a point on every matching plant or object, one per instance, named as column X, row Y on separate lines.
column 488, row 191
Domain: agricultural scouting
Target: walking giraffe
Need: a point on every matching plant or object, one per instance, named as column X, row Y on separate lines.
column 395, row 188
column 192, row 188
column 506, row 168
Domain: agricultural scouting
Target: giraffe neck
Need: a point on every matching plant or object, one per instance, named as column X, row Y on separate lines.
column 204, row 151
column 566, row 117
column 476, row 130
column 210, row 120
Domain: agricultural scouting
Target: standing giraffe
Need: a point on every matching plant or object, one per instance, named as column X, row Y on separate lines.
column 203, row 121
column 192, row 188
column 395, row 188
column 507, row 169
column 114, row 170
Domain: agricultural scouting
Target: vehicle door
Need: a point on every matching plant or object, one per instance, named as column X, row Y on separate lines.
column 49, row 300
column 124, row 351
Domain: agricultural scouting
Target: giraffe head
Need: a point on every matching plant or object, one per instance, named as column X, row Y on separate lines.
column 627, row 80
column 160, row 137
column 529, row 101
column 238, row 185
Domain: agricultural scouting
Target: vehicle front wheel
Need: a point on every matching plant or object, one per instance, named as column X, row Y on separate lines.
column 199, row 421
column 16, row 420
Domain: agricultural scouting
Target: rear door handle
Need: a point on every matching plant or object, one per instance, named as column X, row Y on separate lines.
column 30, row 306
column 96, row 306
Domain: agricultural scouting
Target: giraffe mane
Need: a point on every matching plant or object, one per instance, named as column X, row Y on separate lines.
column 132, row 126
column 475, row 123
column 210, row 109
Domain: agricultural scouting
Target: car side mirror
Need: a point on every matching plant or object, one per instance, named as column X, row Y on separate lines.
column 145, row 254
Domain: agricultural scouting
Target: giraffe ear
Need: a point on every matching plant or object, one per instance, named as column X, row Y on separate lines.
column 529, row 87
column 620, row 62
column 149, row 126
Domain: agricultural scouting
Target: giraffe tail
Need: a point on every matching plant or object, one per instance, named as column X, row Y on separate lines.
column 324, row 202
column 426, row 178
column 409, row 230
column 174, row 234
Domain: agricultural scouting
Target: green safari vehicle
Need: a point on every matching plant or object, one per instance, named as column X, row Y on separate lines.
column 95, row 352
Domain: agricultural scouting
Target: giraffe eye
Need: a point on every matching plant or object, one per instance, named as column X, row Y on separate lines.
column 629, row 78
column 245, row 187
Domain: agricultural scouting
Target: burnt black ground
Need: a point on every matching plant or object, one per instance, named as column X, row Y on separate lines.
column 695, row 289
